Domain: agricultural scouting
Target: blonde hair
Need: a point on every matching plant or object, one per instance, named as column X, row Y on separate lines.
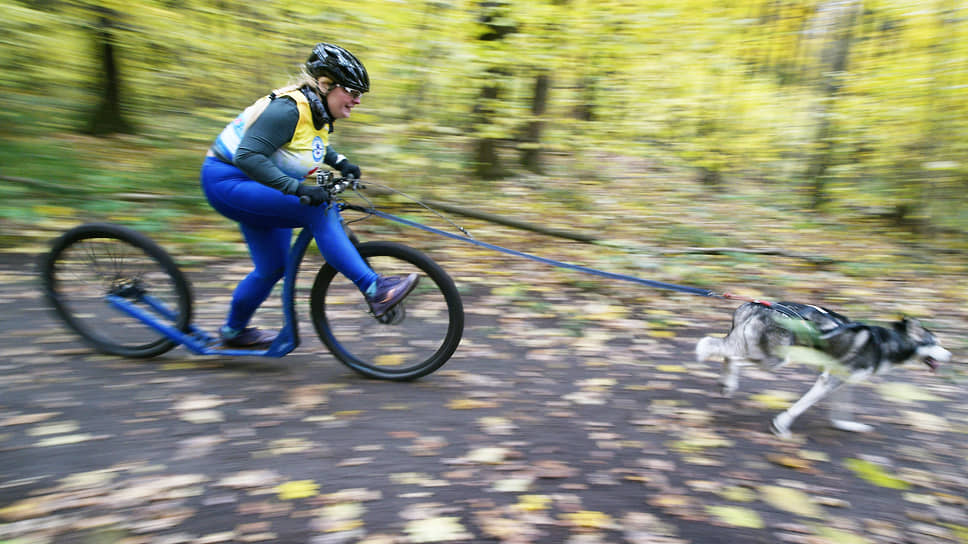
column 303, row 78
column 322, row 85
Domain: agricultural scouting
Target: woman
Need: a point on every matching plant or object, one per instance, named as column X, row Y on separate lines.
column 253, row 175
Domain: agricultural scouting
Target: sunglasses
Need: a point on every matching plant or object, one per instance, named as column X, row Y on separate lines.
column 352, row 92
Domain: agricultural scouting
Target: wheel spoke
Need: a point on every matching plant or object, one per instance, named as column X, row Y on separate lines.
column 92, row 261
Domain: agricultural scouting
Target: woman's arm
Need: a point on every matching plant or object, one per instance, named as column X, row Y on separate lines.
column 274, row 127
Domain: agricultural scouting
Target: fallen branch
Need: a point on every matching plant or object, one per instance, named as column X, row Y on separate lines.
column 36, row 183
column 500, row 220
column 581, row 237
column 819, row 260
column 518, row 224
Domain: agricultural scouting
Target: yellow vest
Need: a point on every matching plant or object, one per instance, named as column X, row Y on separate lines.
column 298, row 157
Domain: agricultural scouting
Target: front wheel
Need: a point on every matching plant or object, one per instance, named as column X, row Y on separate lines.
column 412, row 340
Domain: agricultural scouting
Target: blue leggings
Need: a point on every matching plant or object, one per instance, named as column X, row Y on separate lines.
column 266, row 218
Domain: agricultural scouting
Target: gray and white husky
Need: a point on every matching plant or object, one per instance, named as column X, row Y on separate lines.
column 773, row 334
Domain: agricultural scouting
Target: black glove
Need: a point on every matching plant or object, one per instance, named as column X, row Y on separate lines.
column 312, row 195
column 348, row 169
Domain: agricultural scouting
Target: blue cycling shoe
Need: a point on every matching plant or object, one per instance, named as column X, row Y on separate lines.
column 390, row 291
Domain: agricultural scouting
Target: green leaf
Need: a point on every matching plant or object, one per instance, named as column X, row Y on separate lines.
column 905, row 393
column 737, row 516
column 790, row 500
column 735, row 493
column 774, row 400
column 875, row 474
column 837, row 536
column 437, row 529
column 297, row 489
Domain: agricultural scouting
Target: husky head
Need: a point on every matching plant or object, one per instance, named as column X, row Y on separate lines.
column 926, row 347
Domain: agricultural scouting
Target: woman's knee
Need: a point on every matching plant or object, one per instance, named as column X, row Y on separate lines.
column 266, row 278
column 276, row 274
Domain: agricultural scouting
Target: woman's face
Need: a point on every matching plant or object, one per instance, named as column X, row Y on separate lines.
column 342, row 101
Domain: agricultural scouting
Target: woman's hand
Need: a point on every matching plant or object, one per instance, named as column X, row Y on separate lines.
column 312, row 195
column 348, row 169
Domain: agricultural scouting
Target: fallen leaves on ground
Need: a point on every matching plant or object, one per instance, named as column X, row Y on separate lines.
column 573, row 412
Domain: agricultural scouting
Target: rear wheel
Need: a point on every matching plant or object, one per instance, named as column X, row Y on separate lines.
column 92, row 264
column 412, row 340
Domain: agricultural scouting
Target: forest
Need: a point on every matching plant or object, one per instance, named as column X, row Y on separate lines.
column 833, row 106
column 778, row 150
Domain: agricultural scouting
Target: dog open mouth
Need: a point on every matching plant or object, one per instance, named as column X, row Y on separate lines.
column 934, row 357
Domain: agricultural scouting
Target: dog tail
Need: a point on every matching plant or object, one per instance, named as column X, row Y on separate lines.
column 709, row 348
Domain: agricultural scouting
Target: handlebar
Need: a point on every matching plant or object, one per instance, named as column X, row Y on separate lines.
column 334, row 185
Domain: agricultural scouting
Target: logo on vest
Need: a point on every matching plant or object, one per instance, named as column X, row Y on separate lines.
column 319, row 149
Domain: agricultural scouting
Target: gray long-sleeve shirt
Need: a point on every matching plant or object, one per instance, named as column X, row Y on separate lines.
column 273, row 129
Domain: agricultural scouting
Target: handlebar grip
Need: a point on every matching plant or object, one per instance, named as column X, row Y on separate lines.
column 305, row 200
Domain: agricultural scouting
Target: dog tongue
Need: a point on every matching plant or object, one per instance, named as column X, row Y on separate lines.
column 932, row 364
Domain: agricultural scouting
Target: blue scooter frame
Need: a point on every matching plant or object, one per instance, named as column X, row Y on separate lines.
column 201, row 342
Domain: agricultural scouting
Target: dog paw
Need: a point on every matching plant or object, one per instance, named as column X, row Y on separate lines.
column 726, row 390
column 851, row 426
column 781, row 428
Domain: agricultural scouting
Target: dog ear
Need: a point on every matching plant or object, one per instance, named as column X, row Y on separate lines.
column 901, row 324
column 912, row 327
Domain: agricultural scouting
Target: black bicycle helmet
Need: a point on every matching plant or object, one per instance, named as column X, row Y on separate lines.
column 339, row 65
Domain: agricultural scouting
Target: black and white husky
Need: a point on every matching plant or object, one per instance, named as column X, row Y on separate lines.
column 772, row 334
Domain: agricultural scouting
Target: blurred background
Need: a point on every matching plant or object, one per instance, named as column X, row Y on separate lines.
column 811, row 150
column 757, row 123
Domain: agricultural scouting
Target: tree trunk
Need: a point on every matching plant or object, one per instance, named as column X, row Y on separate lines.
column 585, row 110
column 496, row 25
column 531, row 142
column 425, row 55
column 711, row 179
column 107, row 117
column 833, row 27
column 487, row 161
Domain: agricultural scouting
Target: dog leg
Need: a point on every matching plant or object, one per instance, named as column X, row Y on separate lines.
column 729, row 381
column 824, row 385
column 841, row 407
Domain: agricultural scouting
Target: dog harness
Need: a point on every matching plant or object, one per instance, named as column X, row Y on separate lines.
column 784, row 308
